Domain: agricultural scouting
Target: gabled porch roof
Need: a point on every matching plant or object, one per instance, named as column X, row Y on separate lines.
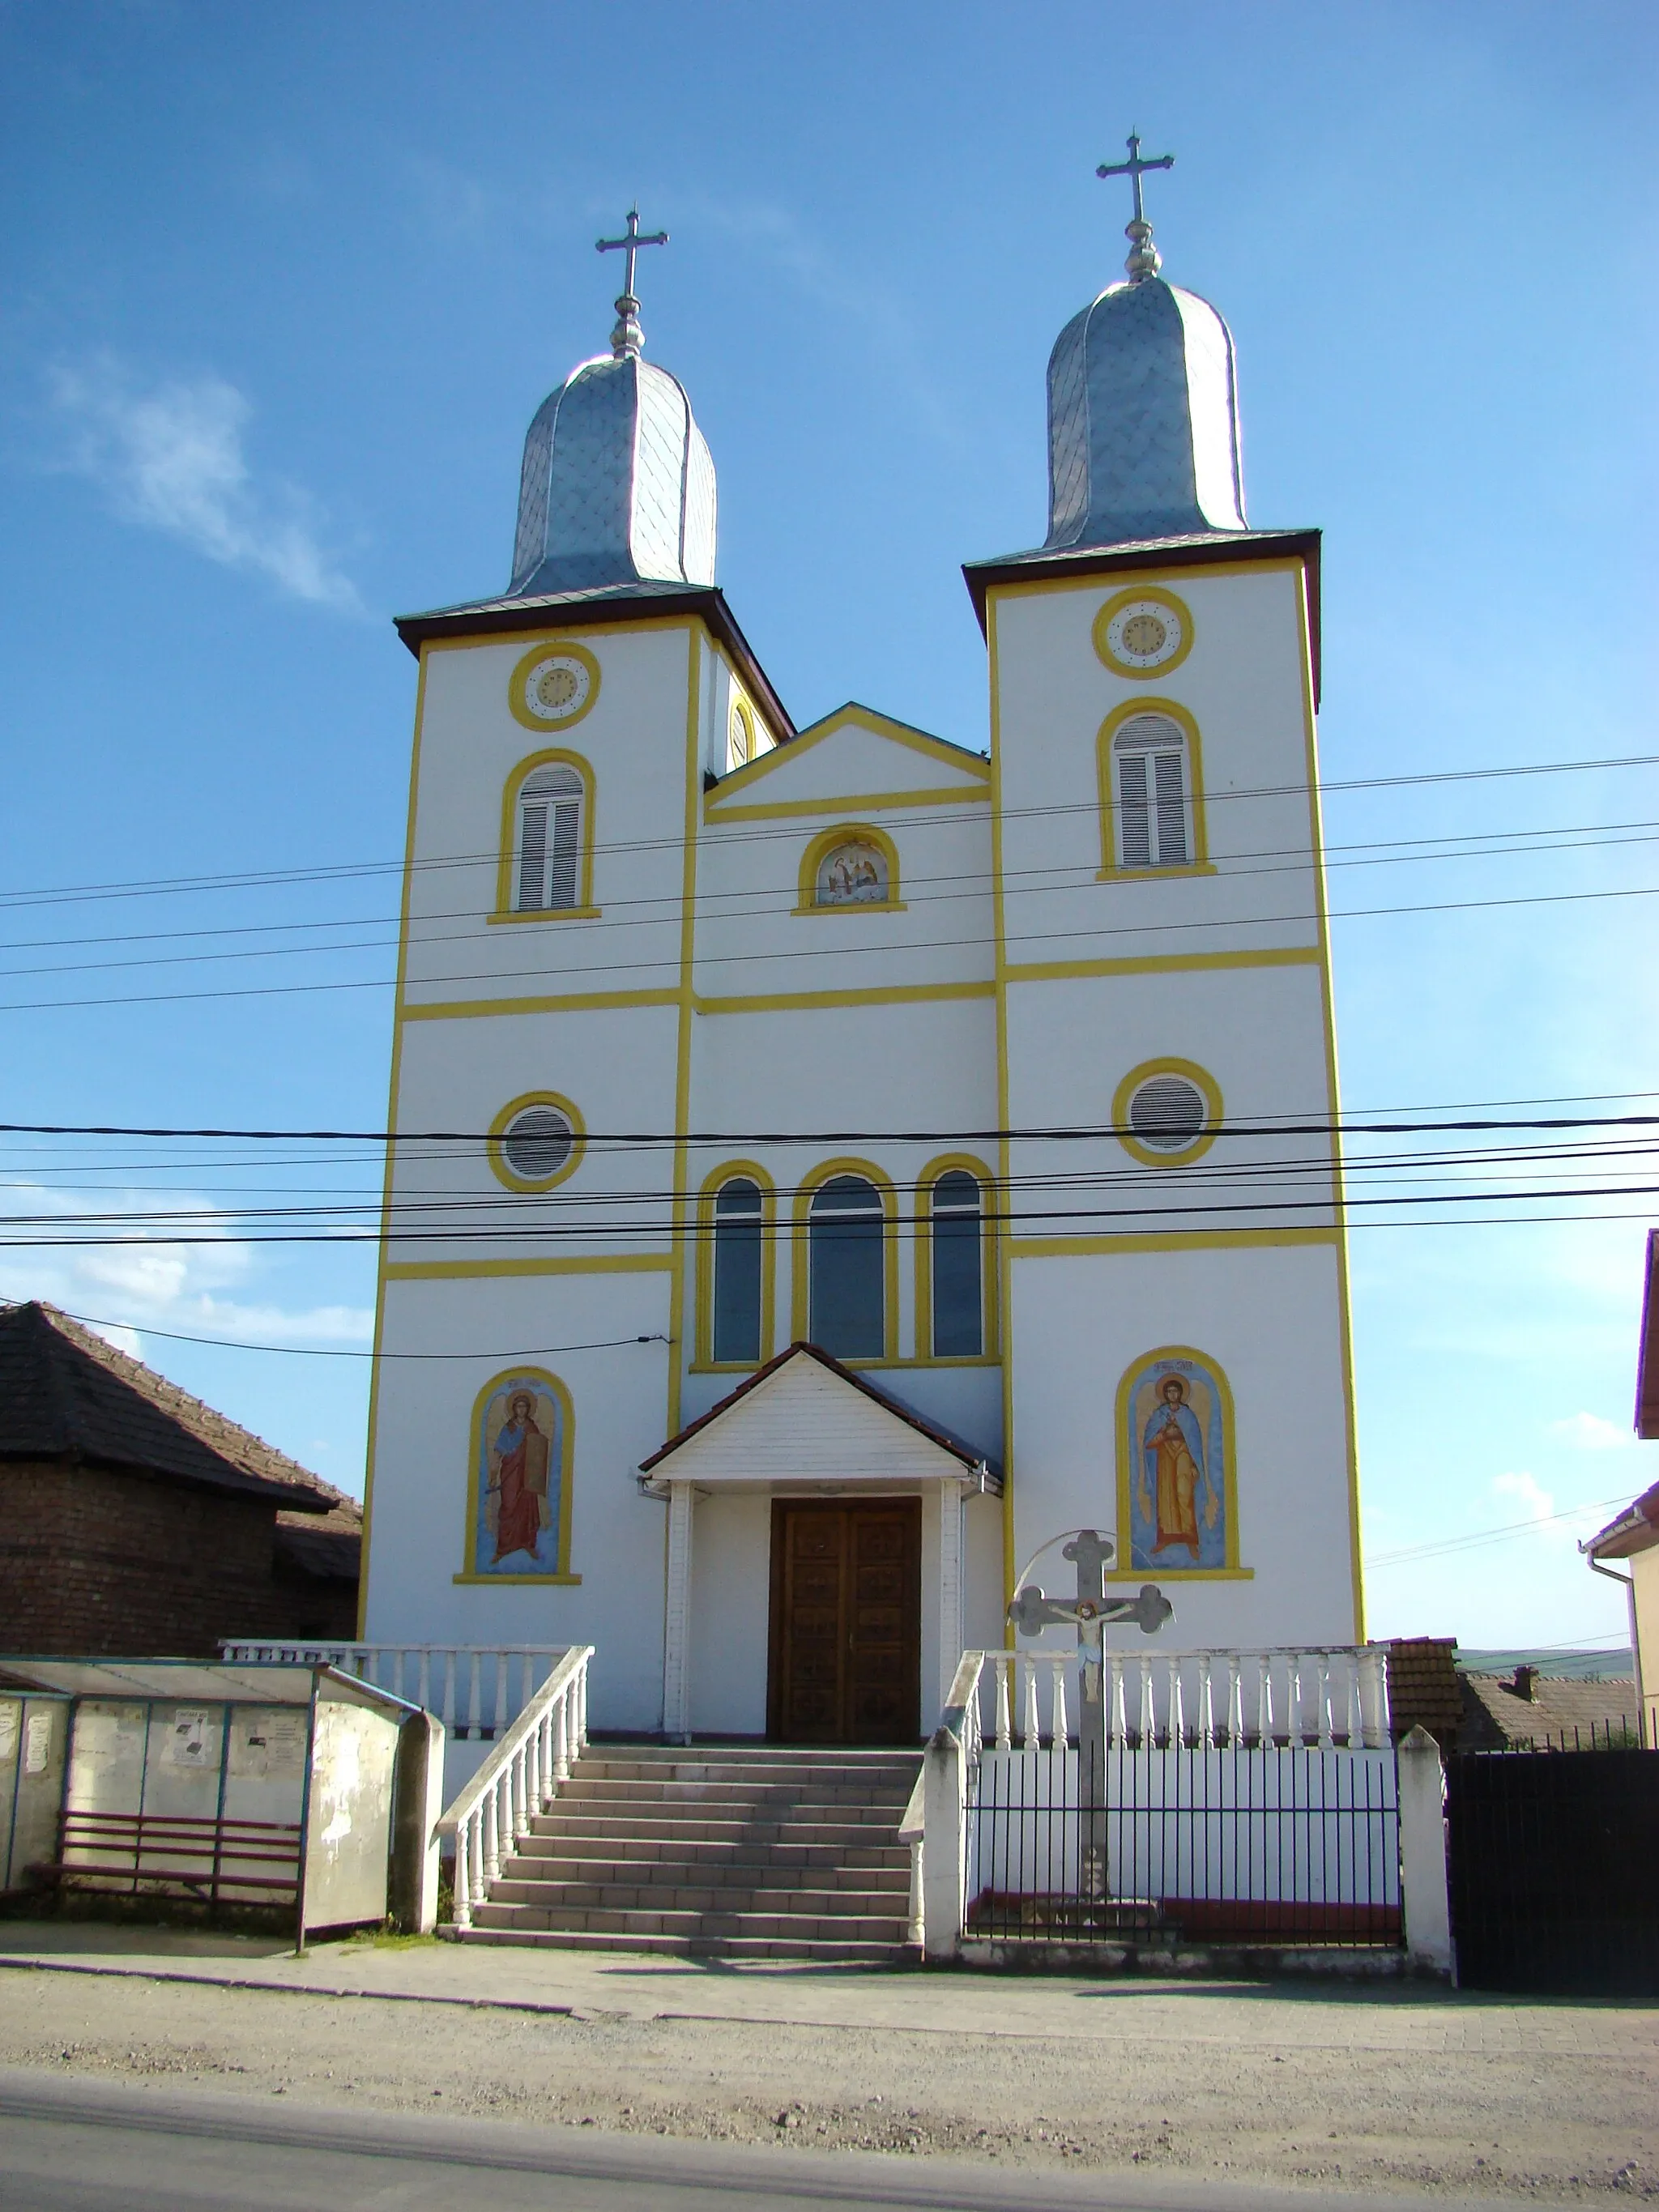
column 804, row 1417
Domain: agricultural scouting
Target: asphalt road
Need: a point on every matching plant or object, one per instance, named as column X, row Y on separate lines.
column 72, row 2146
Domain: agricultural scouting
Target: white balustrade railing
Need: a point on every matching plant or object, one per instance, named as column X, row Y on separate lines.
column 475, row 1690
column 518, row 1780
column 913, row 1830
column 1332, row 1697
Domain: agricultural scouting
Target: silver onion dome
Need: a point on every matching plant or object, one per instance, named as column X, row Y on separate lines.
column 1143, row 417
column 617, row 486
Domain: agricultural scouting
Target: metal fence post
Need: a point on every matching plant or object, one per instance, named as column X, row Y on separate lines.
column 1425, row 1899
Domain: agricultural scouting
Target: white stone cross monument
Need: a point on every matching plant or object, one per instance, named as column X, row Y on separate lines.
column 1032, row 1612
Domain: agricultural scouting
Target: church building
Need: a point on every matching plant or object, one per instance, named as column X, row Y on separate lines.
column 830, row 1164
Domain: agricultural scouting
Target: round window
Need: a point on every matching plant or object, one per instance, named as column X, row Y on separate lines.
column 537, row 1143
column 1168, row 1113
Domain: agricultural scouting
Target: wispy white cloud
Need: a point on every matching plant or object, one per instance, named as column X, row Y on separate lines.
column 171, row 457
column 185, row 1290
column 1590, row 1432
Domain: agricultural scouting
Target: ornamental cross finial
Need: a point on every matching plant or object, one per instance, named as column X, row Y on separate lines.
column 628, row 337
column 1144, row 258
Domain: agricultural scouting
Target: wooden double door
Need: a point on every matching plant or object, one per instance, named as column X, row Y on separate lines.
column 846, row 1645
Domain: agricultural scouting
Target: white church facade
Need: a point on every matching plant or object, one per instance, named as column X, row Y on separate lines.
column 830, row 1163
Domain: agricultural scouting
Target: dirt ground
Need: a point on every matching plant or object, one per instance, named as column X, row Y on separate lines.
column 1360, row 2089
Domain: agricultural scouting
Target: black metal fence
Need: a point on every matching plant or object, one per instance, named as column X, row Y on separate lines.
column 1259, row 1844
column 1552, row 1855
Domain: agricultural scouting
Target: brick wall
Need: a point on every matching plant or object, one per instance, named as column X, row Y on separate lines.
column 102, row 1564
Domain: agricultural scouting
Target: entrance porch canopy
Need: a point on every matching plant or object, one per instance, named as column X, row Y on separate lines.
column 805, row 1425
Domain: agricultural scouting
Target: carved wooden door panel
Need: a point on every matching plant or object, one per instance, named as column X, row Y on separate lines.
column 845, row 1621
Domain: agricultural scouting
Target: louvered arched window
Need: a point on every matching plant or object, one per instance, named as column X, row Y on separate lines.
column 1152, row 793
column 548, row 848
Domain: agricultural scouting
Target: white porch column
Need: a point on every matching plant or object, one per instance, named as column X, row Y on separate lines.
column 950, row 1584
column 677, row 1616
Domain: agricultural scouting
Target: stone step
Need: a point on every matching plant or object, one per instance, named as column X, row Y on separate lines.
column 644, row 1789
column 513, row 1888
column 681, row 1827
column 720, row 1874
column 765, row 1927
column 619, row 1849
column 745, row 1852
column 822, row 1952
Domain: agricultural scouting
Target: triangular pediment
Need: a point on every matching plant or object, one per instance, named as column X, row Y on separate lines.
column 804, row 1417
column 852, row 760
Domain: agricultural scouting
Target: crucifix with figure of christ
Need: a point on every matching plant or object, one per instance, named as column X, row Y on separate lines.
column 628, row 336
column 1031, row 1611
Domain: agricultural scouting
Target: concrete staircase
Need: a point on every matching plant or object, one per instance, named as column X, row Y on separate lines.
column 742, row 1852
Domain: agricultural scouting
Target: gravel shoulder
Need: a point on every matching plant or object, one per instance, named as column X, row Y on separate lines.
column 1388, row 2089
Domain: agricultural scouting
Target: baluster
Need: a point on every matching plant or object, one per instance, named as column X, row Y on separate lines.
column 1296, row 1699
column 913, row 1933
column 472, row 1720
column 1057, row 1717
column 447, row 1712
column 562, row 1716
column 1374, row 1705
column 503, row 1718
column 1117, row 1720
column 492, row 1862
column 1353, row 1712
column 1206, row 1699
column 1177, row 1704
column 1327, row 1734
column 463, row 1903
column 1264, row 1701
column 1147, row 1715
column 1004, row 1666
column 1235, row 1701
column 1033, row 1733
column 581, row 1710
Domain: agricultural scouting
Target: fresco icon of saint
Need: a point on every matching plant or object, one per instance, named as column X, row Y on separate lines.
column 521, row 1462
column 852, row 875
column 1178, row 1449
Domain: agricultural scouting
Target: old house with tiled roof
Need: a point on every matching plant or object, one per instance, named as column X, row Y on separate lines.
column 135, row 1520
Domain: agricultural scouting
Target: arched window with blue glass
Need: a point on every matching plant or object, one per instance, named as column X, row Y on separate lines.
column 848, row 1293
column 953, row 1285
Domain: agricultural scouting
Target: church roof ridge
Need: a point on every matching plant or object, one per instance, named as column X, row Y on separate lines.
column 801, row 1348
column 889, row 723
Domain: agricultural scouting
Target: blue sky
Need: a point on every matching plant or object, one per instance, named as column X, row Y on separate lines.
column 284, row 288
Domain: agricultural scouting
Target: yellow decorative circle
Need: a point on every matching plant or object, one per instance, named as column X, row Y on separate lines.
column 540, row 1130
column 553, row 685
column 1144, row 631
column 1124, row 1117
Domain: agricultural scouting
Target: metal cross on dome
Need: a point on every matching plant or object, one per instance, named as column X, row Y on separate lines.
column 1144, row 259
column 628, row 337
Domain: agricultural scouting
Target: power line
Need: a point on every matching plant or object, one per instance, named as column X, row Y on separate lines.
column 671, row 905
column 1059, row 1132
column 326, row 872
column 329, row 1352
column 666, row 965
column 1503, row 1533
